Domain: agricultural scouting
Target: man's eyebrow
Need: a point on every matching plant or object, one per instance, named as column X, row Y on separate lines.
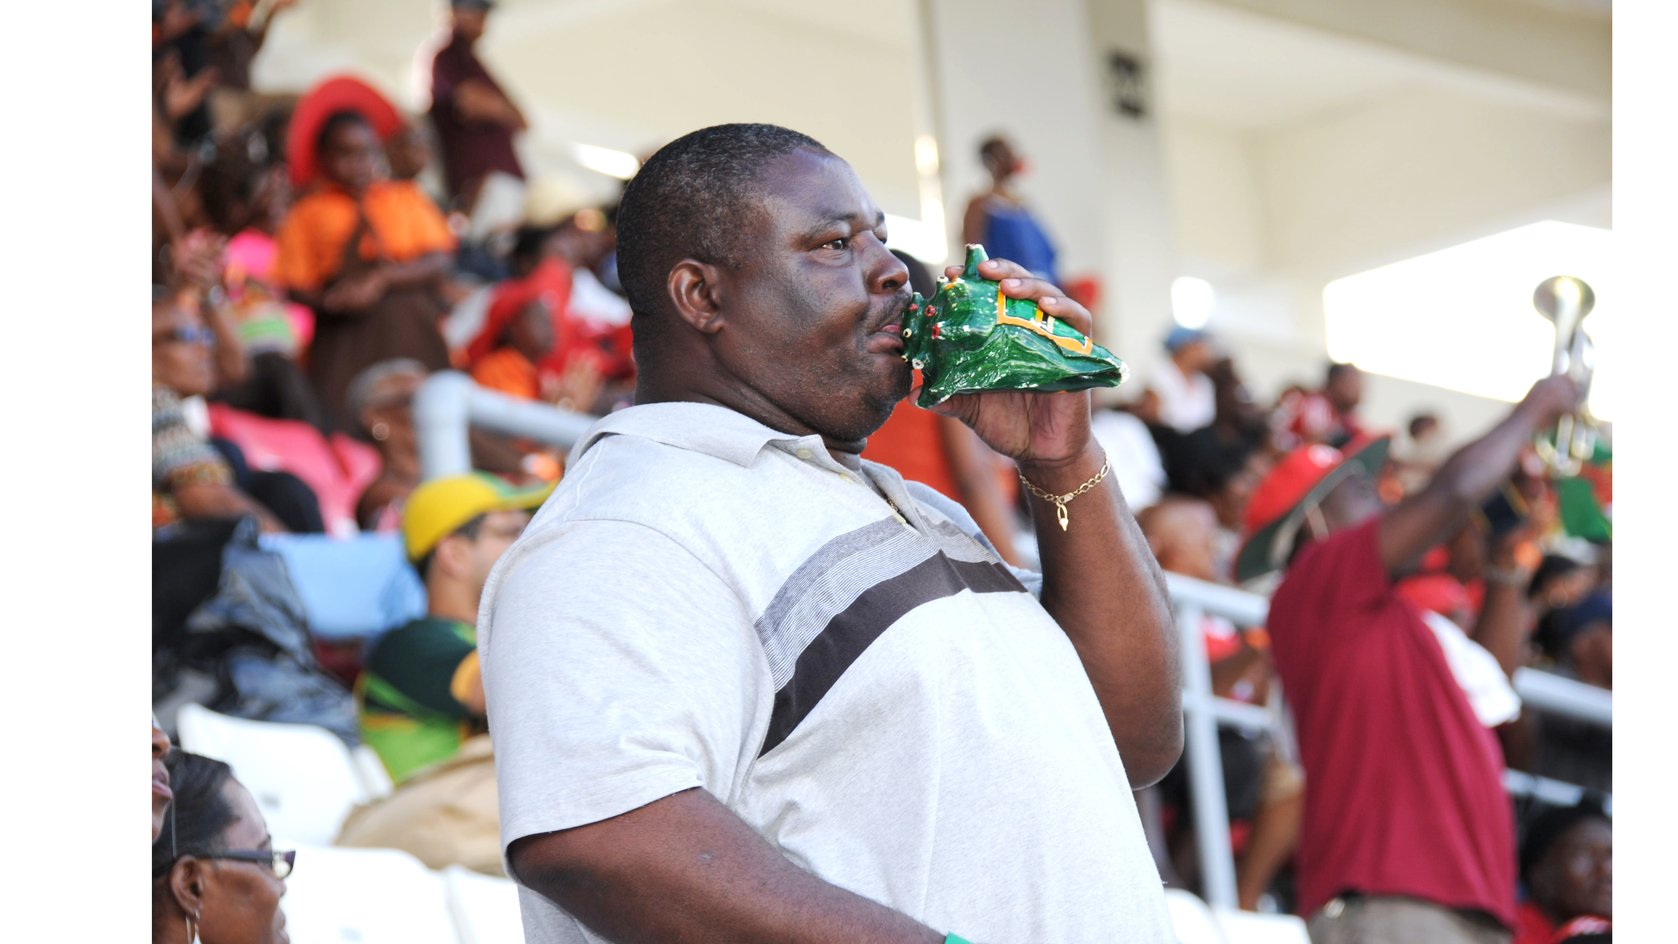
column 830, row 217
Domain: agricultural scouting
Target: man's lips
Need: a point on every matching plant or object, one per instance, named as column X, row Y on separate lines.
column 887, row 338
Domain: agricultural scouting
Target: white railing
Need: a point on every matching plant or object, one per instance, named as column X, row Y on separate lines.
column 1202, row 713
column 449, row 404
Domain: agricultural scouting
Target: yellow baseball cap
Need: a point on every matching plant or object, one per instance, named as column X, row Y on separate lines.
column 439, row 507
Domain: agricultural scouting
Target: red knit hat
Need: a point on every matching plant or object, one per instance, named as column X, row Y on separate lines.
column 1302, row 478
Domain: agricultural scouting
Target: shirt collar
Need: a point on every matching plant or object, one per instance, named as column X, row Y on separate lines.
column 704, row 428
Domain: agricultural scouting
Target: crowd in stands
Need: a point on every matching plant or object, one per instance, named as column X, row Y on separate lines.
column 316, row 258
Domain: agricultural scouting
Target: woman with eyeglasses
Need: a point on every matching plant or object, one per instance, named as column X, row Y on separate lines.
column 216, row 877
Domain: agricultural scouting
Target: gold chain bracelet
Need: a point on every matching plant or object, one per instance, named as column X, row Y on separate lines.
column 1061, row 500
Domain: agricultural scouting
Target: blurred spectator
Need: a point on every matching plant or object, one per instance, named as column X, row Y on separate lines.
column 1180, row 395
column 160, row 792
column 216, row 876
column 1203, row 465
column 1240, row 422
column 1137, row 460
column 941, row 451
column 1327, row 416
column 421, row 693
column 181, row 64
column 1407, row 833
column 475, row 123
column 245, row 193
column 1417, row 456
column 518, row 336
column 999, row 219
column 382, row 400
column 1567, row 865
column 1582, row 640
column 408, row 152
column 190, row 478
column 1260, row 786
column 233, row 45
column 368, row 256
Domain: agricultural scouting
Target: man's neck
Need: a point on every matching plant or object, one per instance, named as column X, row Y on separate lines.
column 451, row 601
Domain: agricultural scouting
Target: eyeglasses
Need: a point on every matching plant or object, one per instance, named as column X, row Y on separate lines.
column 191, row 334
column 281, row 861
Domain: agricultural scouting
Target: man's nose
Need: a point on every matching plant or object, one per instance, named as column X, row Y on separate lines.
column 888, row 273
column 159, row 741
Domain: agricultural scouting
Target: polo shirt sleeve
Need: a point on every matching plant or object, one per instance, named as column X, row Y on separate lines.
column 618, row 669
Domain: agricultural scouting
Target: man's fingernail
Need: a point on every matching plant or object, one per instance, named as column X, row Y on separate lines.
column 1010, row 283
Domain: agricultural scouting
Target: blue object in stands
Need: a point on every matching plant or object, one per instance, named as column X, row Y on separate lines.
column 352, row 588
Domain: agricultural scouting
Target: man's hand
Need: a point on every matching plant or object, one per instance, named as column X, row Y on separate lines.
column 1033, row 428
column 1552, row 398
column 1100, row 582
column 199, row 259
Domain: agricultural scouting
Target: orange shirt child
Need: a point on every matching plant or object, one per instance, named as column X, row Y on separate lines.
column 405, row 225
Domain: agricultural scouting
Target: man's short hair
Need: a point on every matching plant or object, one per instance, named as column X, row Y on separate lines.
column 1335, row 369
column 693, row 199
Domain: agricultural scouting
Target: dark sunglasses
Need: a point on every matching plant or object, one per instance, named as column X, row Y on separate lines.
column 191, row 334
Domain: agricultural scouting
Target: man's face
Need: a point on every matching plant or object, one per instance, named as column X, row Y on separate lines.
column 1351, row 503
column 1346, row 390
column 1576, row 875
column 812, row 317
column 469, row 22
column 498, row 532
column 181, row 349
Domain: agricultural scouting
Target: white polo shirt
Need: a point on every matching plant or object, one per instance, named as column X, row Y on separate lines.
column 707, row 602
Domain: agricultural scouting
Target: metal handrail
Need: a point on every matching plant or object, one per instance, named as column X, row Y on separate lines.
column 1202, row 712
column 448, row 404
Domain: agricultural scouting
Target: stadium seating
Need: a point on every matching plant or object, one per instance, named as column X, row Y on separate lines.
column 486, row 908
column 367, row 896
column 304, row 779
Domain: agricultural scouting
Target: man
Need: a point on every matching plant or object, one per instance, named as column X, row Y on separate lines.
column 421, row 693
column 1181, row 394
column 999, row 218
column 748, row 687
column 1567, row 863
column 474, row 118
column 1329, row 415
column 1407, row 834
column 1260, row 785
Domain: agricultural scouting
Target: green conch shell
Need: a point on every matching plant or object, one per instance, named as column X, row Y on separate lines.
column 970, row 337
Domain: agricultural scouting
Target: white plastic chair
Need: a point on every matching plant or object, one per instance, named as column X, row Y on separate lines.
column 486, row 908
column 366, row 896
column 304, row 779
column 1191, row 919
column 1251, row 927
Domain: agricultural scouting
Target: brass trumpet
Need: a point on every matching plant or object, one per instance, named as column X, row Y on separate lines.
column 1565, row 301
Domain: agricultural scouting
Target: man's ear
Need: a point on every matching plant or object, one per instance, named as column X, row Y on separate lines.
column 450, row 555
column 696, row 292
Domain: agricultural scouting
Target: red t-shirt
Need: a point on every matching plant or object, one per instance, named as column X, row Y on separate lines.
column 1403, row 784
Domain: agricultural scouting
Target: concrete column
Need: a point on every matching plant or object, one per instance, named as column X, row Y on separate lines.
column 1096, row 176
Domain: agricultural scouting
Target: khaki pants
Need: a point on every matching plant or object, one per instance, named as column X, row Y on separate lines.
column 1384, row 919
